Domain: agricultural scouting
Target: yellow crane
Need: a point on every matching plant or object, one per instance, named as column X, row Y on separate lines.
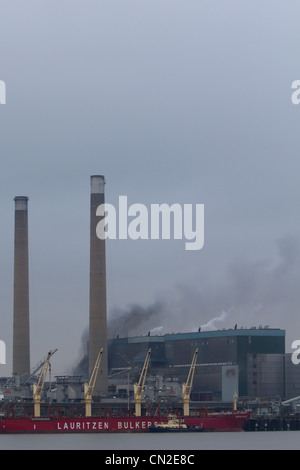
column 89, row 387
column 139, row 387
column 38, row 387
column 235, row 399
column 187, row 386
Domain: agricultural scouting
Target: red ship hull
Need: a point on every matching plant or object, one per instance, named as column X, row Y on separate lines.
column 214, row 422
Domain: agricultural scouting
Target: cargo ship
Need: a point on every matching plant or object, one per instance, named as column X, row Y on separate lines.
column 230, row 421
column 41, row 418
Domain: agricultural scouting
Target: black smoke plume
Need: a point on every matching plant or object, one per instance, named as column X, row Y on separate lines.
column 135, row 320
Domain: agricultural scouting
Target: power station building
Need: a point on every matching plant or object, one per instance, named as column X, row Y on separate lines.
column 223, row 363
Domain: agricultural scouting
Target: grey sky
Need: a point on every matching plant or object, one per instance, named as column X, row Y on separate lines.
column 173, row 101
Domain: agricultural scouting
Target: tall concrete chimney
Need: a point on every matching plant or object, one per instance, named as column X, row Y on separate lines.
column 98, row 309
column 21, row 336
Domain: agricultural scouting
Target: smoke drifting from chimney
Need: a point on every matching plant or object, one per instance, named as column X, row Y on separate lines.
column 216, row 321
column 135, row 320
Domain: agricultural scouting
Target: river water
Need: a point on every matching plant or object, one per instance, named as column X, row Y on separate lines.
column 286, row 440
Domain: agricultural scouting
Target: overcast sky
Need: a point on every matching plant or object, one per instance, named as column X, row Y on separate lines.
column 185, row 101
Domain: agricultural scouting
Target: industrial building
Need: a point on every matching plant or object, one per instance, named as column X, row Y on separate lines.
column 273, row 375
column 222, row 363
